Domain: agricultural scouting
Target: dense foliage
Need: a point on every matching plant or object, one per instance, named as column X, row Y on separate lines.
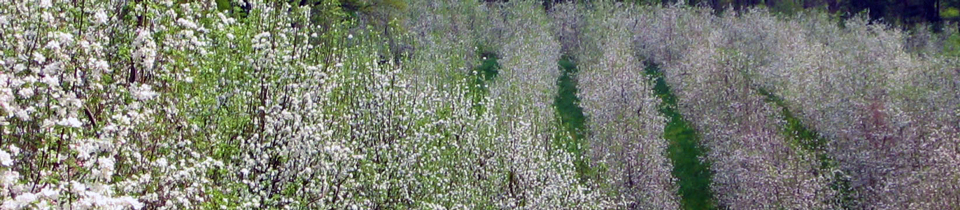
column 391, row 104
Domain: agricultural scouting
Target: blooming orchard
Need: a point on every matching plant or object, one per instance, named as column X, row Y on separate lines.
column 218, row 104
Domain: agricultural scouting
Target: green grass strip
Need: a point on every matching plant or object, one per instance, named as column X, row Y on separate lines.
column 693, row 175
column 572, row 120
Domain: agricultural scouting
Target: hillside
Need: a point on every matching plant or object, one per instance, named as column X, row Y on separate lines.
column 464, row 104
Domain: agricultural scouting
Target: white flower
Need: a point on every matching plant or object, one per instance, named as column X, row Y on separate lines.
column 131, row 202
column 70, row 122
column 146, row 49
column 46, row 16
column 161, row 162
column 51, row 81
column 10, row 205
column 53, row 45
column 100, row 65
column 106, row 167
column 39, row 57
column 187, row 23
column 26, row 92
column 74, row 122
column 143, row 92
column 77, row 187
column 45, row 4
column 14, row 149
column 84, row 150
column 10, row 177
column 26, row 198
column 19, row 68
column 5, row 159
column 43, row 204
column 100, row 17
column 53, row 68
column 64, row 38
column 50, row 193
column 23, row 114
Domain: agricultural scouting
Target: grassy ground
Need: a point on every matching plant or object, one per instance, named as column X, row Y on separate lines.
column 571, row 118
column 692, row 175
column 488, row 69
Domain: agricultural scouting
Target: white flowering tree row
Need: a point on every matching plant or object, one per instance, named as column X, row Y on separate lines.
column 754, row 165
column 626, row 130
column 526, row 88
column 889, row 112
column 509, row 155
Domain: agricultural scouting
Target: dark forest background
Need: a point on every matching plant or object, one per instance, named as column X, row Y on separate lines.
column 906, row 14
column 903, row 13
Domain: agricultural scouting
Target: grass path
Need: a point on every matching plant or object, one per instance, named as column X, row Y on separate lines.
column 571, row 117
column 488, row 69
column 693, row 176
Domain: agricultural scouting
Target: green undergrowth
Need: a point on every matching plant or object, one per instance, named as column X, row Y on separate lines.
column 572, row 121
column 693, row 175
column 483, row 74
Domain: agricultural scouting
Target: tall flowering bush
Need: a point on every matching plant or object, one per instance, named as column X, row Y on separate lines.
column 93, row 118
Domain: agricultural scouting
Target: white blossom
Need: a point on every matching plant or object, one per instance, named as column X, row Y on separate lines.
column 5, row 159
column 100, row 17
column 26, row 92
column 26, row 198
column 187, row 23
column 70, row 122
column 45, row 4
column 143, row 92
